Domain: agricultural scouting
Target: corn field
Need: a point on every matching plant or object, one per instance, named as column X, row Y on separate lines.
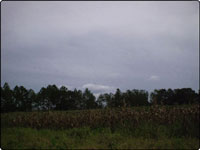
column 123, row 117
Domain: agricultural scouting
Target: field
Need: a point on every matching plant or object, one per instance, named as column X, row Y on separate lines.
column 159, row 127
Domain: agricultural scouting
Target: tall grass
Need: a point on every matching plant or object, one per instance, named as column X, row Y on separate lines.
column 175, row 127
column 99, row 138
column 182, row 119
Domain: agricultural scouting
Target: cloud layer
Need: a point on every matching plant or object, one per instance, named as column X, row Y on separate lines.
column 125, row 45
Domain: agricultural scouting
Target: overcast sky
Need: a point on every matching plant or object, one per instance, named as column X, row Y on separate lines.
column 100, row 45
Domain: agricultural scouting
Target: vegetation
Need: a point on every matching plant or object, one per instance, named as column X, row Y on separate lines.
column 187, row 116
column 137, row 127
column 54, row 98
column 100, row 138
column 61, row 119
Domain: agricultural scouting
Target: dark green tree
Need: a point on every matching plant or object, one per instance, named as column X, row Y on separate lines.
column 89, row 100
column 7, row 99
column 176, row 96
column 52, row 96
column 159, row 96
column 118, row 100
column 31, row 100
column 106, row 99
column 136, row 97
column 100, row 101
column 63, row 99
column 71, row 100
column 22, row 102
column 184, row 96
column 78, row 99
column 43, row 100
column 48, row 97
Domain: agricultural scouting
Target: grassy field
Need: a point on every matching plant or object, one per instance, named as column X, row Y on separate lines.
column 104, row 138
column 156, row 127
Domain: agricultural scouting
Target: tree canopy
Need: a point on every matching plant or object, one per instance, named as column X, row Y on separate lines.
column 54, row 98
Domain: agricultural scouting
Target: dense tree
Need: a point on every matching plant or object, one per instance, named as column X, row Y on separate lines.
column 53, row 98
column 78, row 99
column 52, row 95
column 105, row 100
column 71, row 100
column 88, row 100
column 63, row 99
column 31, row 100
column 101, row 101
column 184, row 95
column 110, row 99
column 159, row 96
column 48, row 97
column 22, row 101
column 126, row 99
column 176, row 96
column 7, row 99
column 118, row 99
column 2, row 101
column 43, row 101
column 139, row 98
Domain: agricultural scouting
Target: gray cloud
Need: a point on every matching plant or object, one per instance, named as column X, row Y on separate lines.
column 120, row 44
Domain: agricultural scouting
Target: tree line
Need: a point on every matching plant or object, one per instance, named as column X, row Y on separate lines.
column 54, row 98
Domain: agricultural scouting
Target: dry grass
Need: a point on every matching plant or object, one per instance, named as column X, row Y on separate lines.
column 103, row 117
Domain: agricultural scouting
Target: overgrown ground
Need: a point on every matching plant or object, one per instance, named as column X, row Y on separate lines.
column 157, row 127
column 22, row 138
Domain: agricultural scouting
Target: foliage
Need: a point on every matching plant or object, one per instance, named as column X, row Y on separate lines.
column 98, row 138
column 92, row 138
column 53, row 98
column 155, row 127
column 177, row 96
column 187, row 117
